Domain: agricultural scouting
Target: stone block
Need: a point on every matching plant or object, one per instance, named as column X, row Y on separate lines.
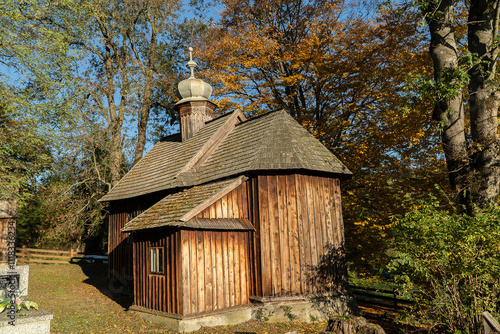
column 26, row 322
column 23, row 272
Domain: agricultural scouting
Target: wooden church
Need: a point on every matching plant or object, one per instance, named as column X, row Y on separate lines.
column 227, row 214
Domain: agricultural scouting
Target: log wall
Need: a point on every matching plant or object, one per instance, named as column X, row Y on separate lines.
column 299, row 225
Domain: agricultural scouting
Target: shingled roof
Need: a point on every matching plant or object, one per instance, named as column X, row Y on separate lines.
column 179, row 209
column 225, row 147
column 274, row 141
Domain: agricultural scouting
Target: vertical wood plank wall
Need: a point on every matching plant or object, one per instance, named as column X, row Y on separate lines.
column 233, row 205
column 119, row 247
column 297, row 220
column 160, row 292
column 300, row 220
column 217, row 264
column 203, row 270
column 215, row 270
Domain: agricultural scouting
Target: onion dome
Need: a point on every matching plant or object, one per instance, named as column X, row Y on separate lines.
column 193, row 89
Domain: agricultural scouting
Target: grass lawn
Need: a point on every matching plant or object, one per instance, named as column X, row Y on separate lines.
column 79, row 298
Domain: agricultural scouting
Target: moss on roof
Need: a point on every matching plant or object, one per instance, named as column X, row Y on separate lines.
column 170, row 210
column 274, row 141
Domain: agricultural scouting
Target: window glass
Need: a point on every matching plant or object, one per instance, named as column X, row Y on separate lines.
column 157, row 260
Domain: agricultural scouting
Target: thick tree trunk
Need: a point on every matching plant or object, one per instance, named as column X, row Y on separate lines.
column 484, row 101
column 449, row 111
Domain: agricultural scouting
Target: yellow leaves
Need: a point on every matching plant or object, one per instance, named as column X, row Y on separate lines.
column 342, row 78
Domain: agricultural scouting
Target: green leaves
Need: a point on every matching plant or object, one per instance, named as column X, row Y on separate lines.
column 20, row 303
column 36, row 86
column 449, row 263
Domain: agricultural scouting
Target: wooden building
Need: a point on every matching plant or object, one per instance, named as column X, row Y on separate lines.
column 229, row 212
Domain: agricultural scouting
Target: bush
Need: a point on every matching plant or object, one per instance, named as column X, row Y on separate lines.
column 449, row 265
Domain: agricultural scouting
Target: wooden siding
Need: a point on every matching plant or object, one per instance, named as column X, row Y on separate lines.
column 119, row 246
column 233, row 205
column 215, row 270
column 299, row 226
column 203, row 270
column 297, row 220
column 119, row 243
column 241, row 203
column 160, row 292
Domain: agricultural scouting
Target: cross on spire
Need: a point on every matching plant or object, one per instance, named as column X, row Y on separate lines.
column 191, row 64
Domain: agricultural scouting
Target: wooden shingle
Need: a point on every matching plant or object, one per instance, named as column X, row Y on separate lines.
column 226, row 147
column 179, row 208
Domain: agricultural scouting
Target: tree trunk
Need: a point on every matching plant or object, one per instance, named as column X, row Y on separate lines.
column 116, row 150
column 484, row 101
column 449, row 111
column 148, row 72
column 142, row 122
column 142, row 125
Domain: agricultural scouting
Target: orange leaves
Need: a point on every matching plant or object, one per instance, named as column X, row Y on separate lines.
column 343, row 78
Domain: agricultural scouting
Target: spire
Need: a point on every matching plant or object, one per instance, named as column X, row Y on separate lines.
column 194, row 107
column 191, row 64
column 193, row 89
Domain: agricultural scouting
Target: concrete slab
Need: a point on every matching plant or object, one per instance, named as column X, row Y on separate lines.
column 191, row 324
column 26, row 322
column 271, row 310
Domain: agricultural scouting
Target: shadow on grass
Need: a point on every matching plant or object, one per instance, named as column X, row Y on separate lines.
column 97, row 276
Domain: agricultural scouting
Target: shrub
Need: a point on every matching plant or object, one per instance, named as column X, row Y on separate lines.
column 448, row 263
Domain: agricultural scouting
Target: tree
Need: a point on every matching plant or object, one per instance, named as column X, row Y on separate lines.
column 342, row 76
column 36, row 87
column 63, row 211
column 467, row 95
column 20, row 160
column 77, row 72
column 130, row 56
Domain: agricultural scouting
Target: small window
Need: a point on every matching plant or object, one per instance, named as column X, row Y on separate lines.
column 157, row 260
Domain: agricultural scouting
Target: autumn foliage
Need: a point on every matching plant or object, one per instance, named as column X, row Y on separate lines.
column 340, row 68
column 342, row 75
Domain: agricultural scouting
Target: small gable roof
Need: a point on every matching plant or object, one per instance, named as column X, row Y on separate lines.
column 225, row 147
column 180, row 209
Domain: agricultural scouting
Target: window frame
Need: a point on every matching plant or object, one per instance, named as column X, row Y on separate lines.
column 156, row 261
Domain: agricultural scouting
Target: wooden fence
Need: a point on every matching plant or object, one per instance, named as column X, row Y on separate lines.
column 32, row 255
column 379, row 297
